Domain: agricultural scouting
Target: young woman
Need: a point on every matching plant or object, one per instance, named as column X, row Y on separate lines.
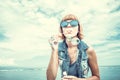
column 71, row 53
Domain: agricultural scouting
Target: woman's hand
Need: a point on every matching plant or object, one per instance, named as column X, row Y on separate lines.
column 69, row 78
column 72, row 78
column 54, row 41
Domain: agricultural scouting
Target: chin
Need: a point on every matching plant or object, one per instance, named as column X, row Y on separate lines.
column 70, row 35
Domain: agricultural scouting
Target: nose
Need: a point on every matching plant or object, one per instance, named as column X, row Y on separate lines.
column 69, row 30
column 69, row 26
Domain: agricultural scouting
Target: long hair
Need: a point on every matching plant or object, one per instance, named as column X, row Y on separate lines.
column 72, row 17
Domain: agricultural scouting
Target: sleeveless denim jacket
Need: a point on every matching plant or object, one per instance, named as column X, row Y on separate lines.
column 81, row 62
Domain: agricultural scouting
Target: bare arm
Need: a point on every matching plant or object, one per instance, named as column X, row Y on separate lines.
column 92, row 59
column 53, row 66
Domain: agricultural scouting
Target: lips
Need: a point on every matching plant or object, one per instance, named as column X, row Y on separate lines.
column 70, row 32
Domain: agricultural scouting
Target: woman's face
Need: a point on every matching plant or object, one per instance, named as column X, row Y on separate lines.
column 69, row 30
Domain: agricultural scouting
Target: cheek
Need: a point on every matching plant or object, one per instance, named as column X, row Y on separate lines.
column 64, row 30
column 75, row 31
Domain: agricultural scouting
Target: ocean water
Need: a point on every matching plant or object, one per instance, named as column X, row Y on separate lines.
column 106, row 73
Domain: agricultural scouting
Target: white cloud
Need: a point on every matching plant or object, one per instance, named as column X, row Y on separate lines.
column 28, row 29
column 10, row 62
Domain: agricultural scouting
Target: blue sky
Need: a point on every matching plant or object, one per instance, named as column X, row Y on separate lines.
column 26, row 26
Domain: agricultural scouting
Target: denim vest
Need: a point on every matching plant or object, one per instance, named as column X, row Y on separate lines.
column 81, row 62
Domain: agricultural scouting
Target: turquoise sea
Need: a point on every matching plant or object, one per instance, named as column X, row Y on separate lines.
column 14, row 73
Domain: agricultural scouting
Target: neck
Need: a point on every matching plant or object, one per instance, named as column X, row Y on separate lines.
column 71, row 46
column 70, row 38
column 70, row 43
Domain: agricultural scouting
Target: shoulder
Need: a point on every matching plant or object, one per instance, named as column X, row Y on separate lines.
column 90, row 50
column 86, row 42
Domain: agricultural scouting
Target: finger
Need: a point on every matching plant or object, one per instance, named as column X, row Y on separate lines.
column 50, row 42
column 52, row 39
column 68, row 77
column 56, row 38
column 63, row 79
column 55, row 42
